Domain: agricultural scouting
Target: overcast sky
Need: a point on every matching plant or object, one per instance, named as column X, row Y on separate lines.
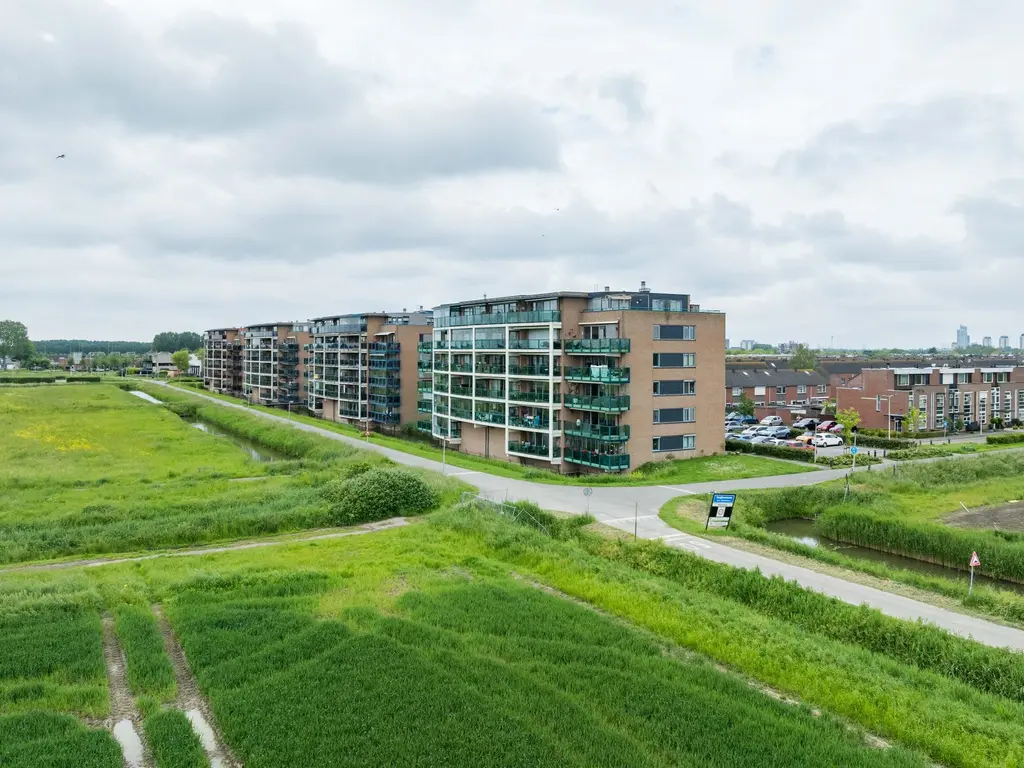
column 815, row 169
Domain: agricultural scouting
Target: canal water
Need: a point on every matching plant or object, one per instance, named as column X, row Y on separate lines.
column 256, row 451
column 805, row 532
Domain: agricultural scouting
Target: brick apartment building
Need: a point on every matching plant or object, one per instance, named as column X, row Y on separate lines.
column 577, row 382
column 273, row 364
column 884, row 396
column 364, row 367
column 775, row 386
column 222, row 363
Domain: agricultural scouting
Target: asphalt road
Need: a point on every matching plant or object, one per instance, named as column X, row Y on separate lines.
column 638, row 506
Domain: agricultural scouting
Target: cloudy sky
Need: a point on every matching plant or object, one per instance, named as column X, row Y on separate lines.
column 815, row 168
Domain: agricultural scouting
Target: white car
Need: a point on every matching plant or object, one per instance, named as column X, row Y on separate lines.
column 771, row 421
column 826, row 440
column 750, row 431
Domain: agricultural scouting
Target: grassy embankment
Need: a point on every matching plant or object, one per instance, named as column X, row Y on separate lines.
column 610, row 669
column 898, row 511
column 92, row 469
column 700, row 469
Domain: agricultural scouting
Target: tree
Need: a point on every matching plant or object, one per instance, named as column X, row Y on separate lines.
column 14, row 341
column 169, row 341
column 848, row 418
column 803, row 359
column 914, row 415
column 180, row 360
column 744, row 405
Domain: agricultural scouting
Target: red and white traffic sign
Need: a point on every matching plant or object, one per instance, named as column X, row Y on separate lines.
column 975, row 562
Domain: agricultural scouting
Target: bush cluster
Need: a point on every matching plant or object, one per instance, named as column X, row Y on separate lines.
column 889, row 444
column 775, row 451
column 846, row 460
column 49, row 379
column 929, row 452
column 1007, row 439
column 377, row 494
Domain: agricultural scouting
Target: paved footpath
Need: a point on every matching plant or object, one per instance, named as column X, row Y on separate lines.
column 624, row 507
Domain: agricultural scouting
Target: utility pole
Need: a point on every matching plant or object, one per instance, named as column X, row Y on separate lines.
column 888, row 399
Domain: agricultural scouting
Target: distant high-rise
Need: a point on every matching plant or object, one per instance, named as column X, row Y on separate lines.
column 747, row 344
column 963, row 339
column 1004, row 342
column 1022, row 341
column 986, row 341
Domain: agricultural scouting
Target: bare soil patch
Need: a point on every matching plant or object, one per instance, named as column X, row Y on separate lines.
column 1003, row 517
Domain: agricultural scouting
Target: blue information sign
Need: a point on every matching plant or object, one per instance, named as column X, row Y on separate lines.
column 721, row 510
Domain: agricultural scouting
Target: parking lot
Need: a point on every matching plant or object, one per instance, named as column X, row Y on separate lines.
column 784, row 436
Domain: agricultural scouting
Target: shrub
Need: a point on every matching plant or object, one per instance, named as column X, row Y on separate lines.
column 381, row 493
column 775, row 451
column 890, row 444
column 1005, row 439
column 840, row 462
column 930, row 451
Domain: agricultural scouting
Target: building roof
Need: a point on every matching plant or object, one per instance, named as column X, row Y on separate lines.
column 518, row 297
column 229, row 328
column 759, row 377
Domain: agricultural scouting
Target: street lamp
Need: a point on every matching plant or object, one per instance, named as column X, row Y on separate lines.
column 888, row 400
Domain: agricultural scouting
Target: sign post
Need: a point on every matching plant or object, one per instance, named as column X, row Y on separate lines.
column 720, row 512
column 975, row 563
column 588, row 492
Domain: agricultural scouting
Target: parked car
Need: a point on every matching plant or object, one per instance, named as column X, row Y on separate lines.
column 804, row 439
column 742, row 437
column 750, row 432
column 805, row 424
column 825, row 440
column 772, row 421
column 739, row 418
column 782, row 433
column 825, row 426
column 762, row 439
column 836, row 430
column 972, row 426
column 795, row 444
column 734, row 429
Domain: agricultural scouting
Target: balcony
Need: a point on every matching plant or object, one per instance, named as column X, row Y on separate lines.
column 608, row 462
column 461, row 413
column 605, row 403
column 440, row 343
column 388, row 418
column 601, row 374
column 529, row 397
column 462, row 344
column 425, row 387
column 531, row 370
column 531, row 422
column 544, row 344
column 425, row 406
column 596, row 346
column 461, row 391
column 386, row 400
column 606, row 434
column 507, row 318
column 423, row 425
column 529, row 449
column 491, row 417
column 385, row 348
column 424, row 346
column 326, row 328
column 490, row 343
column 424, row 365
column 490, row 370
column 462, row 368
column 491, row 394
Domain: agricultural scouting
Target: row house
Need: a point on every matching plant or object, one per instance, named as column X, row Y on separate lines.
column 775, row 387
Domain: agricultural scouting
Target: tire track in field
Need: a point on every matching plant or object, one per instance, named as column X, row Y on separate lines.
column 124, row 721
column 191, row 701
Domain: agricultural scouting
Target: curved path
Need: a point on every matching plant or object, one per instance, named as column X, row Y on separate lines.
column 624, row 507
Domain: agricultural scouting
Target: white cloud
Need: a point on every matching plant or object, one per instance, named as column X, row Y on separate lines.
column 815, row 170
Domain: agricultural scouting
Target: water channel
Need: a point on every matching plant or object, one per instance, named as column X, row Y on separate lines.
column 255, row 450
column 805, row 532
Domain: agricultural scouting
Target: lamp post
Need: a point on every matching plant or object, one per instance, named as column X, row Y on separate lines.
column 888, row 400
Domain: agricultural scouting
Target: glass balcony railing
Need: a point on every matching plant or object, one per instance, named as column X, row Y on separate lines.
column 608, row 462
column 533, row 344
column 596, row 346
column 608, row 403
column 491, row 394
column 599, row 373
column 491, row 417
column 529, row 397
column 462, row 368
column 505, row 318
column 461, row 413
column 531, row 422
column 490, row 343
column 424, row 386
column 425, row 406
column 462, row 344
column 528, row 448
column 531, row 370
column 424, row 346
column 460, row 390
column 423, row 425
column 609, row 434
column 490, row 370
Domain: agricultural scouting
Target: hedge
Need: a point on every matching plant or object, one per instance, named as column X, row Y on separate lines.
column 1001, row 553
column 891, row 444
column 1007, row 439
column 923, row 434
column 50, row 379
column 775, row 451
column 846, row 460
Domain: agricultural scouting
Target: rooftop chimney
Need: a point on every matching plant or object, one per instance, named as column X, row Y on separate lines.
column 607, row 288
column 643, row 287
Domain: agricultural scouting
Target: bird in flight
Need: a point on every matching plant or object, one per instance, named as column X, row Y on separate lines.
column 60, row 157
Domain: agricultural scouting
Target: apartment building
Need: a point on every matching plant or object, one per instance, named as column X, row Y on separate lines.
column 942, row 396
column 775, row 386
column 273, row 366
column 578, row 382
column 364, row 367
column 222, row 364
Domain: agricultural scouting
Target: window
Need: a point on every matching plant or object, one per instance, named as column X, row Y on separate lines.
column 675, row 332
column 1002, row 378
column 675, row 415
column 780, row 391
column 801, row 389
column 878, row 403
column 665, row 388
column 674, row 443
column 737, row 391
column 987, row 378
column 963, row 378
column 940, row 409
column 903, row 380
column 675, row 360
column 606, row 331
column 823, row 389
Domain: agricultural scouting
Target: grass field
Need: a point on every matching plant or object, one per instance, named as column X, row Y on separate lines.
column 701, row 469
column 92, row 469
